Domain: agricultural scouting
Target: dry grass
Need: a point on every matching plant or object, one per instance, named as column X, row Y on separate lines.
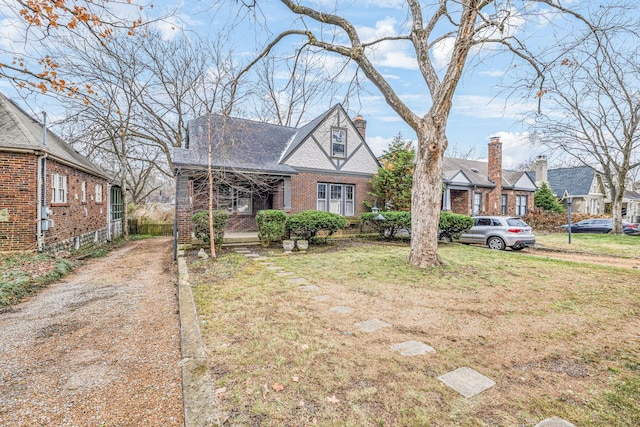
column 559, row 338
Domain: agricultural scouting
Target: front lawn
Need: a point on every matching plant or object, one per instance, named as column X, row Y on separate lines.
column 601, row 244
column 558, row 338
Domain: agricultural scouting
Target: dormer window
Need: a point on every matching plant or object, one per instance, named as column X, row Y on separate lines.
column 338, row 142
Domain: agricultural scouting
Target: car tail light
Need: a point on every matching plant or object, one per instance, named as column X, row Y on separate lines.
column 631, row 225
column 515, row 230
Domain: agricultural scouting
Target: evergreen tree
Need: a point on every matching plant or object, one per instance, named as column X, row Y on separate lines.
column 546, row 200
column 392, row 184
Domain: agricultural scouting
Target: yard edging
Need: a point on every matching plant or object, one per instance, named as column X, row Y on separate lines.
column 200, row 409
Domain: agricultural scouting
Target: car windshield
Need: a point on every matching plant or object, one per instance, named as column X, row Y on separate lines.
column 516, row 222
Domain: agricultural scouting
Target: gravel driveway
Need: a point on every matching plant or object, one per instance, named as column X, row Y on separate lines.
column 99, row 348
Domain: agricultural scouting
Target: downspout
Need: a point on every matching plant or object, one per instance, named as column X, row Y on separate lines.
column 175, row 220
column 42, row 197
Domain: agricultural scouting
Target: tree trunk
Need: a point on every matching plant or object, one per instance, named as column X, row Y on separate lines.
column 426, row 197
column 616, row 210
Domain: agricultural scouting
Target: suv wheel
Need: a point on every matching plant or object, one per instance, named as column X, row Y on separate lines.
column 496, row 243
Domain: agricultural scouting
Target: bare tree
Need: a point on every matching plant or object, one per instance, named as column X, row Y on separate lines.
column 590, row 99
column 285, row 96
column 31, row 25
column 463, row 25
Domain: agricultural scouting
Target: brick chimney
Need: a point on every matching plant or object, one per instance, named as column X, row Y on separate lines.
column 541, row 170
column 361, row 125
column 494, row 169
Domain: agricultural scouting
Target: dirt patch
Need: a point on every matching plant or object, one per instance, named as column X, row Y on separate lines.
column 100, row 347
column 610, row 261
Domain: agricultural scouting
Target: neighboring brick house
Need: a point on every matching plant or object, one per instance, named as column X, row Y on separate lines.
column 474, row 187
column 324, row 165
column 51, row 197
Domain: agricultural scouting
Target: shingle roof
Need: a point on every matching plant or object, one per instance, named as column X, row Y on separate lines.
column 242, row 144
column 477, row 172
column 576, row 181
column 19, row 131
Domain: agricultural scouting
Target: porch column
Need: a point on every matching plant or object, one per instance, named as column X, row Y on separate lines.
column 287, row 194
column 446, row 199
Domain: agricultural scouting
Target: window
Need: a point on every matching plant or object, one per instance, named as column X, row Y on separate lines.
column 321, row 203
column 477, row 203
column 503, row 204
column 336, row 198
column 58, row 188
column 338, row 142
column 237, row 200
column 116, row 203
column 521, row 205
column 83, row 194
column 98, row 193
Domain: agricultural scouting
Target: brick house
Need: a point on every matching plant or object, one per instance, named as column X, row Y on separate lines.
column 324, row 165
column 51, row 197
column 474, row 187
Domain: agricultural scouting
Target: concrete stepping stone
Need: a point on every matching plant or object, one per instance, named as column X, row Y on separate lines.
column 554, row 422
column 274, row 268
column 467, row 382
column 342, row 309
column 242, row 251
column 250, row 255
column 372, row 325
column 261, row 258
column 309, row 288
column 297, row 281
column 413, row 348
column 284, row 273
column 322, row 298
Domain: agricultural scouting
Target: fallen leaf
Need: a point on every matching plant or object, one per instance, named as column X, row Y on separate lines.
column 294, row 379
column 333, row 399
column 221, row 391
column 277, row 387
column 304, row 346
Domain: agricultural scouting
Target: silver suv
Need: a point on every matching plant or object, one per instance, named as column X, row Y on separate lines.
column 499, row 232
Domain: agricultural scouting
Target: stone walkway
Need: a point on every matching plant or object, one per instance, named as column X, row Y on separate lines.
column 463, row 380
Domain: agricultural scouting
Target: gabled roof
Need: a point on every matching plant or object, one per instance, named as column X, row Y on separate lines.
column 475, row 170
column 576, row 181
column 242, row 144
column 21, row 132
column 305, row 131
column 238, row 144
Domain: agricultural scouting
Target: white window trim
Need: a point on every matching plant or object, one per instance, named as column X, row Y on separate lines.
column 344, row 202
column 83, row 194
column 98, row 193
column 519, row 206
column 343, row 131
column 58, row 185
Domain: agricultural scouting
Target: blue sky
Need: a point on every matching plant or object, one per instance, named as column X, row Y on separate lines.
column 480, row 109
column 481, row 106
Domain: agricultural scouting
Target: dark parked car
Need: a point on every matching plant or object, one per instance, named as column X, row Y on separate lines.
column 499, row 232
column 601, row 225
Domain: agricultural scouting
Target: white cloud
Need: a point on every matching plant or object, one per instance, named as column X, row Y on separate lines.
column 378, row 144
column 493, row 73
column 487, row 107
column 516, row 148
column 396, row 54
column 441, row 53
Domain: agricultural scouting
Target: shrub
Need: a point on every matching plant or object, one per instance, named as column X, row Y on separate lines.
column 452, row 224
column 388, row 227
column 306, row 224
column 200, row 221
column 271, row 225
column 541, row 220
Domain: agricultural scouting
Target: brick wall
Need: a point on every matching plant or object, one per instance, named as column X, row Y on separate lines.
column 304, row 190
column 76, row 220
column 18, row 196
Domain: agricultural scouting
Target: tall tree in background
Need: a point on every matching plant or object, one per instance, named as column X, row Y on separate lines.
column 459, row 25
column 590, row 98
column 394, row 180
